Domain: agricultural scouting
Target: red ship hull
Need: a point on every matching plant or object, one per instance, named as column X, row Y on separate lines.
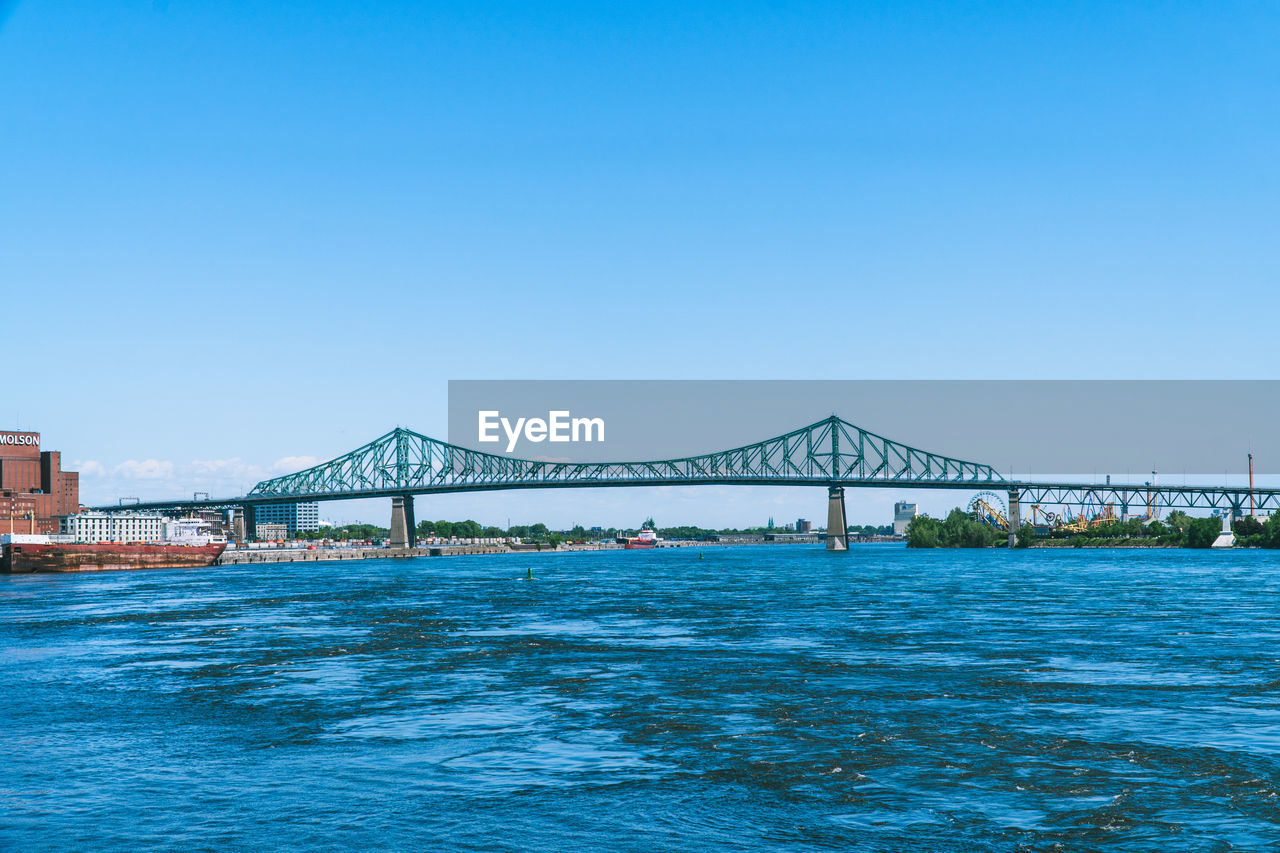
column 634, row 544
column 105, row 557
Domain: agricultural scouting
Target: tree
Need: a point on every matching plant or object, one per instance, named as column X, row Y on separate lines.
column 1247, row 526
column 1201, row 532
column 648, row 522
column 1273, row 531
column 924, row 532
column 961, row 530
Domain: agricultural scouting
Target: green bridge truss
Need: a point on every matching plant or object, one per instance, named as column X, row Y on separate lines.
column 829, row 452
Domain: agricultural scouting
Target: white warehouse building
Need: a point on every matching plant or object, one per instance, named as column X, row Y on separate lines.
column 114, row 527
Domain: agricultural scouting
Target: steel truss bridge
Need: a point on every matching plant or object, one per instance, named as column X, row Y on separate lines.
column 832, row 453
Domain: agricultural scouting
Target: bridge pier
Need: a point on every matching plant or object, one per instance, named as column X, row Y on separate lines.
column 837, row 527
column 404, row 528
column 1015, row 516
column 238, row 531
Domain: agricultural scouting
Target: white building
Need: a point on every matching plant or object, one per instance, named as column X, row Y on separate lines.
column 114, row 527
column 189, row 531
column 295, row 517
column 270, row 530
column 903, row 512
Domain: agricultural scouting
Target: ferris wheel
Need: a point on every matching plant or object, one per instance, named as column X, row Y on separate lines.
column 988, row 508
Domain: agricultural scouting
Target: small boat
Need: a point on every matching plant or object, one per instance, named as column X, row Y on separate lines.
column 646, row 538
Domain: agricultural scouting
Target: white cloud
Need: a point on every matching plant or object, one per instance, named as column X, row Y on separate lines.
column 290, row 464
column 145, row 469
column 234, row 468
column 90, row 468
column 158, row 479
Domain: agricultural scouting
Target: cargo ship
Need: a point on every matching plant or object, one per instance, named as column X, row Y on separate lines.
column 23, row 556
column 646, row 538
column 177, row 543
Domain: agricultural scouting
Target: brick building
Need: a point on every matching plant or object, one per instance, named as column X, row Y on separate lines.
column 34, row 490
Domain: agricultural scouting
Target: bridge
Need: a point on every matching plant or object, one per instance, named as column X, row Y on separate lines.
column 832, row 453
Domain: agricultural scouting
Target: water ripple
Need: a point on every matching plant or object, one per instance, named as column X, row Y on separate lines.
column 757, row 698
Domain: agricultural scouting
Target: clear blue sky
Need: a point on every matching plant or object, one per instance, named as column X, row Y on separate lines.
column 236, row 233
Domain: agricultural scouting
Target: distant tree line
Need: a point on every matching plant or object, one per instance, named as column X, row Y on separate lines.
column 871, row 530
column 961, row 530
column 469, row 529
column 345, row 533
column 539, row 532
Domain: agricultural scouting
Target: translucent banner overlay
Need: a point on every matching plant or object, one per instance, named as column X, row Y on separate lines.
column 1021, row 428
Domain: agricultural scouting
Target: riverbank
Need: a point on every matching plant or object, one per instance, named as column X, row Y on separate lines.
column 316, row 555
column 247, row 556
column 1103, row 543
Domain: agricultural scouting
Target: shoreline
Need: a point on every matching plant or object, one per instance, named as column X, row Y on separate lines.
column 266, row 556
column 300, row 555
column 1066, row 543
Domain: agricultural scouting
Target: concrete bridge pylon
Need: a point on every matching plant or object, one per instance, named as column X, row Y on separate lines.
column 837, row 526
column 404, row 528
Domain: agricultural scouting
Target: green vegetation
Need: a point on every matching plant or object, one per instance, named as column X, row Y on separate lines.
column 1251, row 532
column 345, row 533
column 1178, row 530
column 461, row 529
column 539, row 532
column 1201, row 532
column 958, row 530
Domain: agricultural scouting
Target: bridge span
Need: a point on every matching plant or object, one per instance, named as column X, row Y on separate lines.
column 832, row 453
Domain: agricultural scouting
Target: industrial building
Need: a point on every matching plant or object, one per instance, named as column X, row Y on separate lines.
column 34, row 490
column 903, row 512
column 294, row 517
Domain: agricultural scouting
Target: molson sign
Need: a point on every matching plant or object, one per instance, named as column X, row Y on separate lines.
column 19, row 439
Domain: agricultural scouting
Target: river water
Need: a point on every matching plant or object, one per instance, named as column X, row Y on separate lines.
column 747, row 698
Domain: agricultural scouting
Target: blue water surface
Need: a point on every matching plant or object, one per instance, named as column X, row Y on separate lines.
column 745, row 698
